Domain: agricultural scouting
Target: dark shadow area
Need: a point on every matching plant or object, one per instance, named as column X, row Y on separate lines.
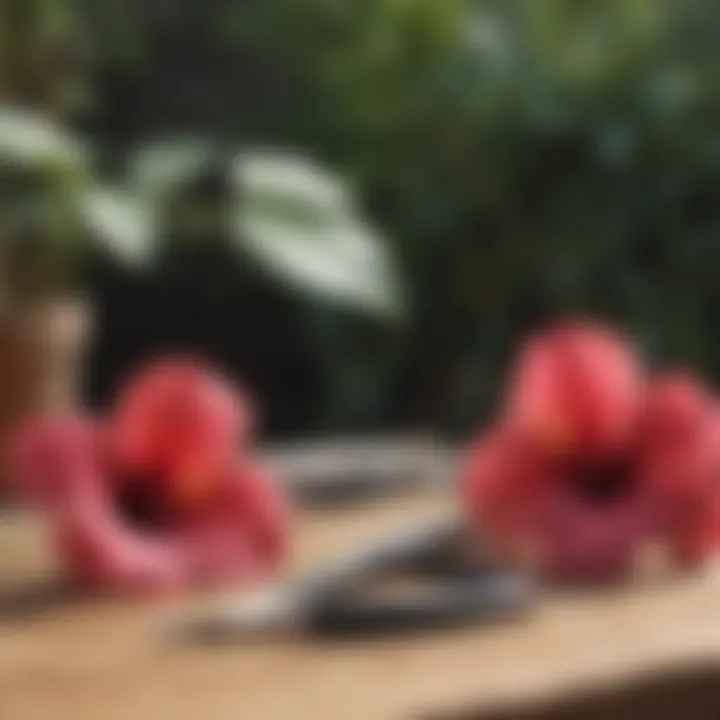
column 30, row 600
column 200, row 303
column 690, row 694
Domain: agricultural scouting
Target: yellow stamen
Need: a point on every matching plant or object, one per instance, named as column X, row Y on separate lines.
column 191, row 488
column 555, row 436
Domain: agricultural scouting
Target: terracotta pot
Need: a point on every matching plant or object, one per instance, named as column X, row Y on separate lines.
column 41, row 363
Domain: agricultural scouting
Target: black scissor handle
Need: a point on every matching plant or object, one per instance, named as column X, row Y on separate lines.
column 489, row 595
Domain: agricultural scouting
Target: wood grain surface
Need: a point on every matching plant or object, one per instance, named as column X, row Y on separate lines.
column 71, row 658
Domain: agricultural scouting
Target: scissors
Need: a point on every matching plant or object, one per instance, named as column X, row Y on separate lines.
column 338, row 598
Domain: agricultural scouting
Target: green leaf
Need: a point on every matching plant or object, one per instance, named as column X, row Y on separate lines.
column 29, row 140
column 121, row 221
column 290, row 178
column 162, row 168
column 299, row 223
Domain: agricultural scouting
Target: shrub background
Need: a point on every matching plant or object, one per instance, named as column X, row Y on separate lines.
column 525, row 158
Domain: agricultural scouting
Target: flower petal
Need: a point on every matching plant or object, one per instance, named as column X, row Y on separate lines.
column 182, row 423
column 683, row 469
column 502, row 485
column 53, row 460
column 589, row 542
column 244, row 534
column 676, row 407
column 576, row 389
column 266, row 508
column 103, row 554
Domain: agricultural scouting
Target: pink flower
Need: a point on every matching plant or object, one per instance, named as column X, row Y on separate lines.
column 58, row 459
column 590, row 460
column 162, row 496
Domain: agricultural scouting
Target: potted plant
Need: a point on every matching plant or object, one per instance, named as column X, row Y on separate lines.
column 280, row 214
column 49, row 210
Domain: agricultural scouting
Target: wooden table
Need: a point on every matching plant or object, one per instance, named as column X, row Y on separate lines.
column 64, row 659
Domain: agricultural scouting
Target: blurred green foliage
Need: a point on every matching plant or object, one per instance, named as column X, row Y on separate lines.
column 528, row 158
column 45, row 54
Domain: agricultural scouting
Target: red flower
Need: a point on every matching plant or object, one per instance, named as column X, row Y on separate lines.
column 570, row 518
column 577, row 389
column 681, row 453
column 164, row 496
column 497, row 492
column 589, row 461
column 181, row 424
